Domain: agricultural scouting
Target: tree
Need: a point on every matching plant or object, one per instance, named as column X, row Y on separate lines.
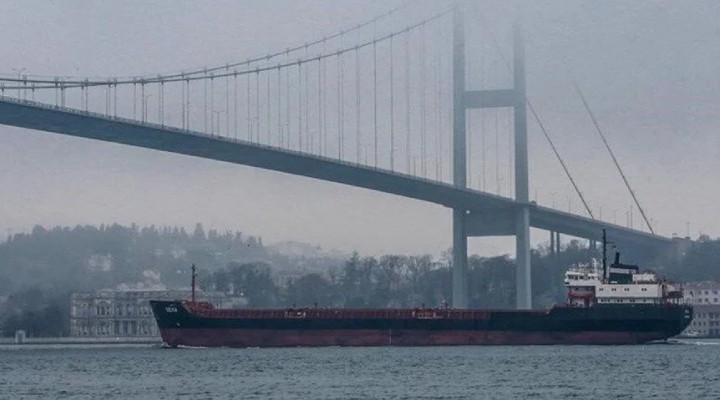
column 254, row 282
column 491, row 282
column 310, row 290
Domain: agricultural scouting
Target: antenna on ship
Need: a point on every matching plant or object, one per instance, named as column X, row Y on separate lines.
column 192, row 284
column 604, row 255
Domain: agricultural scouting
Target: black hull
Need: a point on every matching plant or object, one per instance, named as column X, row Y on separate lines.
column 612, row 324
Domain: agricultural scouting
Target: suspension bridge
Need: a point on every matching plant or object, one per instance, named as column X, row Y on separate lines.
column 373, row 106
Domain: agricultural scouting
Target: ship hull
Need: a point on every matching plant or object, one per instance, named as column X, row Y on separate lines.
column 200, row 337
column 601, row 326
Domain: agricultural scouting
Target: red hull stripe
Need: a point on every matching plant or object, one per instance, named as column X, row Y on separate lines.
column 373, row 337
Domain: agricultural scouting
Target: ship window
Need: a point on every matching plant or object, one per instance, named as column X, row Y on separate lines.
column 601, row 289
column 627, row 289
column 613, row 289
column 644, row 289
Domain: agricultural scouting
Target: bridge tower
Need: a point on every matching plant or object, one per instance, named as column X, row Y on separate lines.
column 467, row 223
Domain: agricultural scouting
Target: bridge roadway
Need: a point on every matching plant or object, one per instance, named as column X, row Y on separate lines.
column 488, row 214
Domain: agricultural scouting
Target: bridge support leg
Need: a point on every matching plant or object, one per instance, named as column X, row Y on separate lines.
column 459, row 267
column 557, row 242
column 522, row 251
column 517, row 100
column 522, row 221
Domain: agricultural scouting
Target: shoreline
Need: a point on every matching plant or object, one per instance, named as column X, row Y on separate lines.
column 78, row 340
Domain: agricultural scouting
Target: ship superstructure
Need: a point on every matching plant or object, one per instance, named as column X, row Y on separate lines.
column 589, row 285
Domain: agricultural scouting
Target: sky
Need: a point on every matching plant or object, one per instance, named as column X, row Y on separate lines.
column 648, row 70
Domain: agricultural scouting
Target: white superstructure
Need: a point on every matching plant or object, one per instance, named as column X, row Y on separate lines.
column 623, row 284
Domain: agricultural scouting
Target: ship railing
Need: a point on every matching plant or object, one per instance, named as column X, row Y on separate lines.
column 295, row 313
column 336, row 313
column 428, row 314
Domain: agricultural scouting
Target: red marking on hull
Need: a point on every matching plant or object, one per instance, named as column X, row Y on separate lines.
column 375, row 337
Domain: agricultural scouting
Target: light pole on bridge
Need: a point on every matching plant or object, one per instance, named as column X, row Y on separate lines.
column 19, row 74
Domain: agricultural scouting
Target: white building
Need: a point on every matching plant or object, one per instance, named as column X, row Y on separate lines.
column 123, row 313
column 705, row 298
column 702, row 293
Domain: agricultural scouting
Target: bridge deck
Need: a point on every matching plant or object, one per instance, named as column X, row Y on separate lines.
column 67, row 121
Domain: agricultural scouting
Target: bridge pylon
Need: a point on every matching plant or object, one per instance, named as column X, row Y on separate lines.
column 474, row 222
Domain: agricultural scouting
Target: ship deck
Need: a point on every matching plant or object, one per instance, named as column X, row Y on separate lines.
column 207, row 311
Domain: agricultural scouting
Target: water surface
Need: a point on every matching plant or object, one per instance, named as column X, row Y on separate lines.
column 687, row 369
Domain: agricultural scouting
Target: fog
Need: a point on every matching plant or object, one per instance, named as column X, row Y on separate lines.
column 648, row 69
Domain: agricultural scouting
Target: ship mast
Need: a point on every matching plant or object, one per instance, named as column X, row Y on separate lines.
column 604, row 255
column 194, row 275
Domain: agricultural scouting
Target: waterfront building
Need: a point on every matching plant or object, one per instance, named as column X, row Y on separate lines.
column 705, row 298
column 124, row 313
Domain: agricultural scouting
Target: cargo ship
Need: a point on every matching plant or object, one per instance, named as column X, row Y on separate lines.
column 615, row 304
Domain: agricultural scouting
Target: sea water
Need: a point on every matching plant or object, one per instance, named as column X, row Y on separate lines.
column 686, row 369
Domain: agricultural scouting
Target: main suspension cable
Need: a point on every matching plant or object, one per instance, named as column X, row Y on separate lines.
column 70, row 83
column 612, row 155
column 267, row 57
